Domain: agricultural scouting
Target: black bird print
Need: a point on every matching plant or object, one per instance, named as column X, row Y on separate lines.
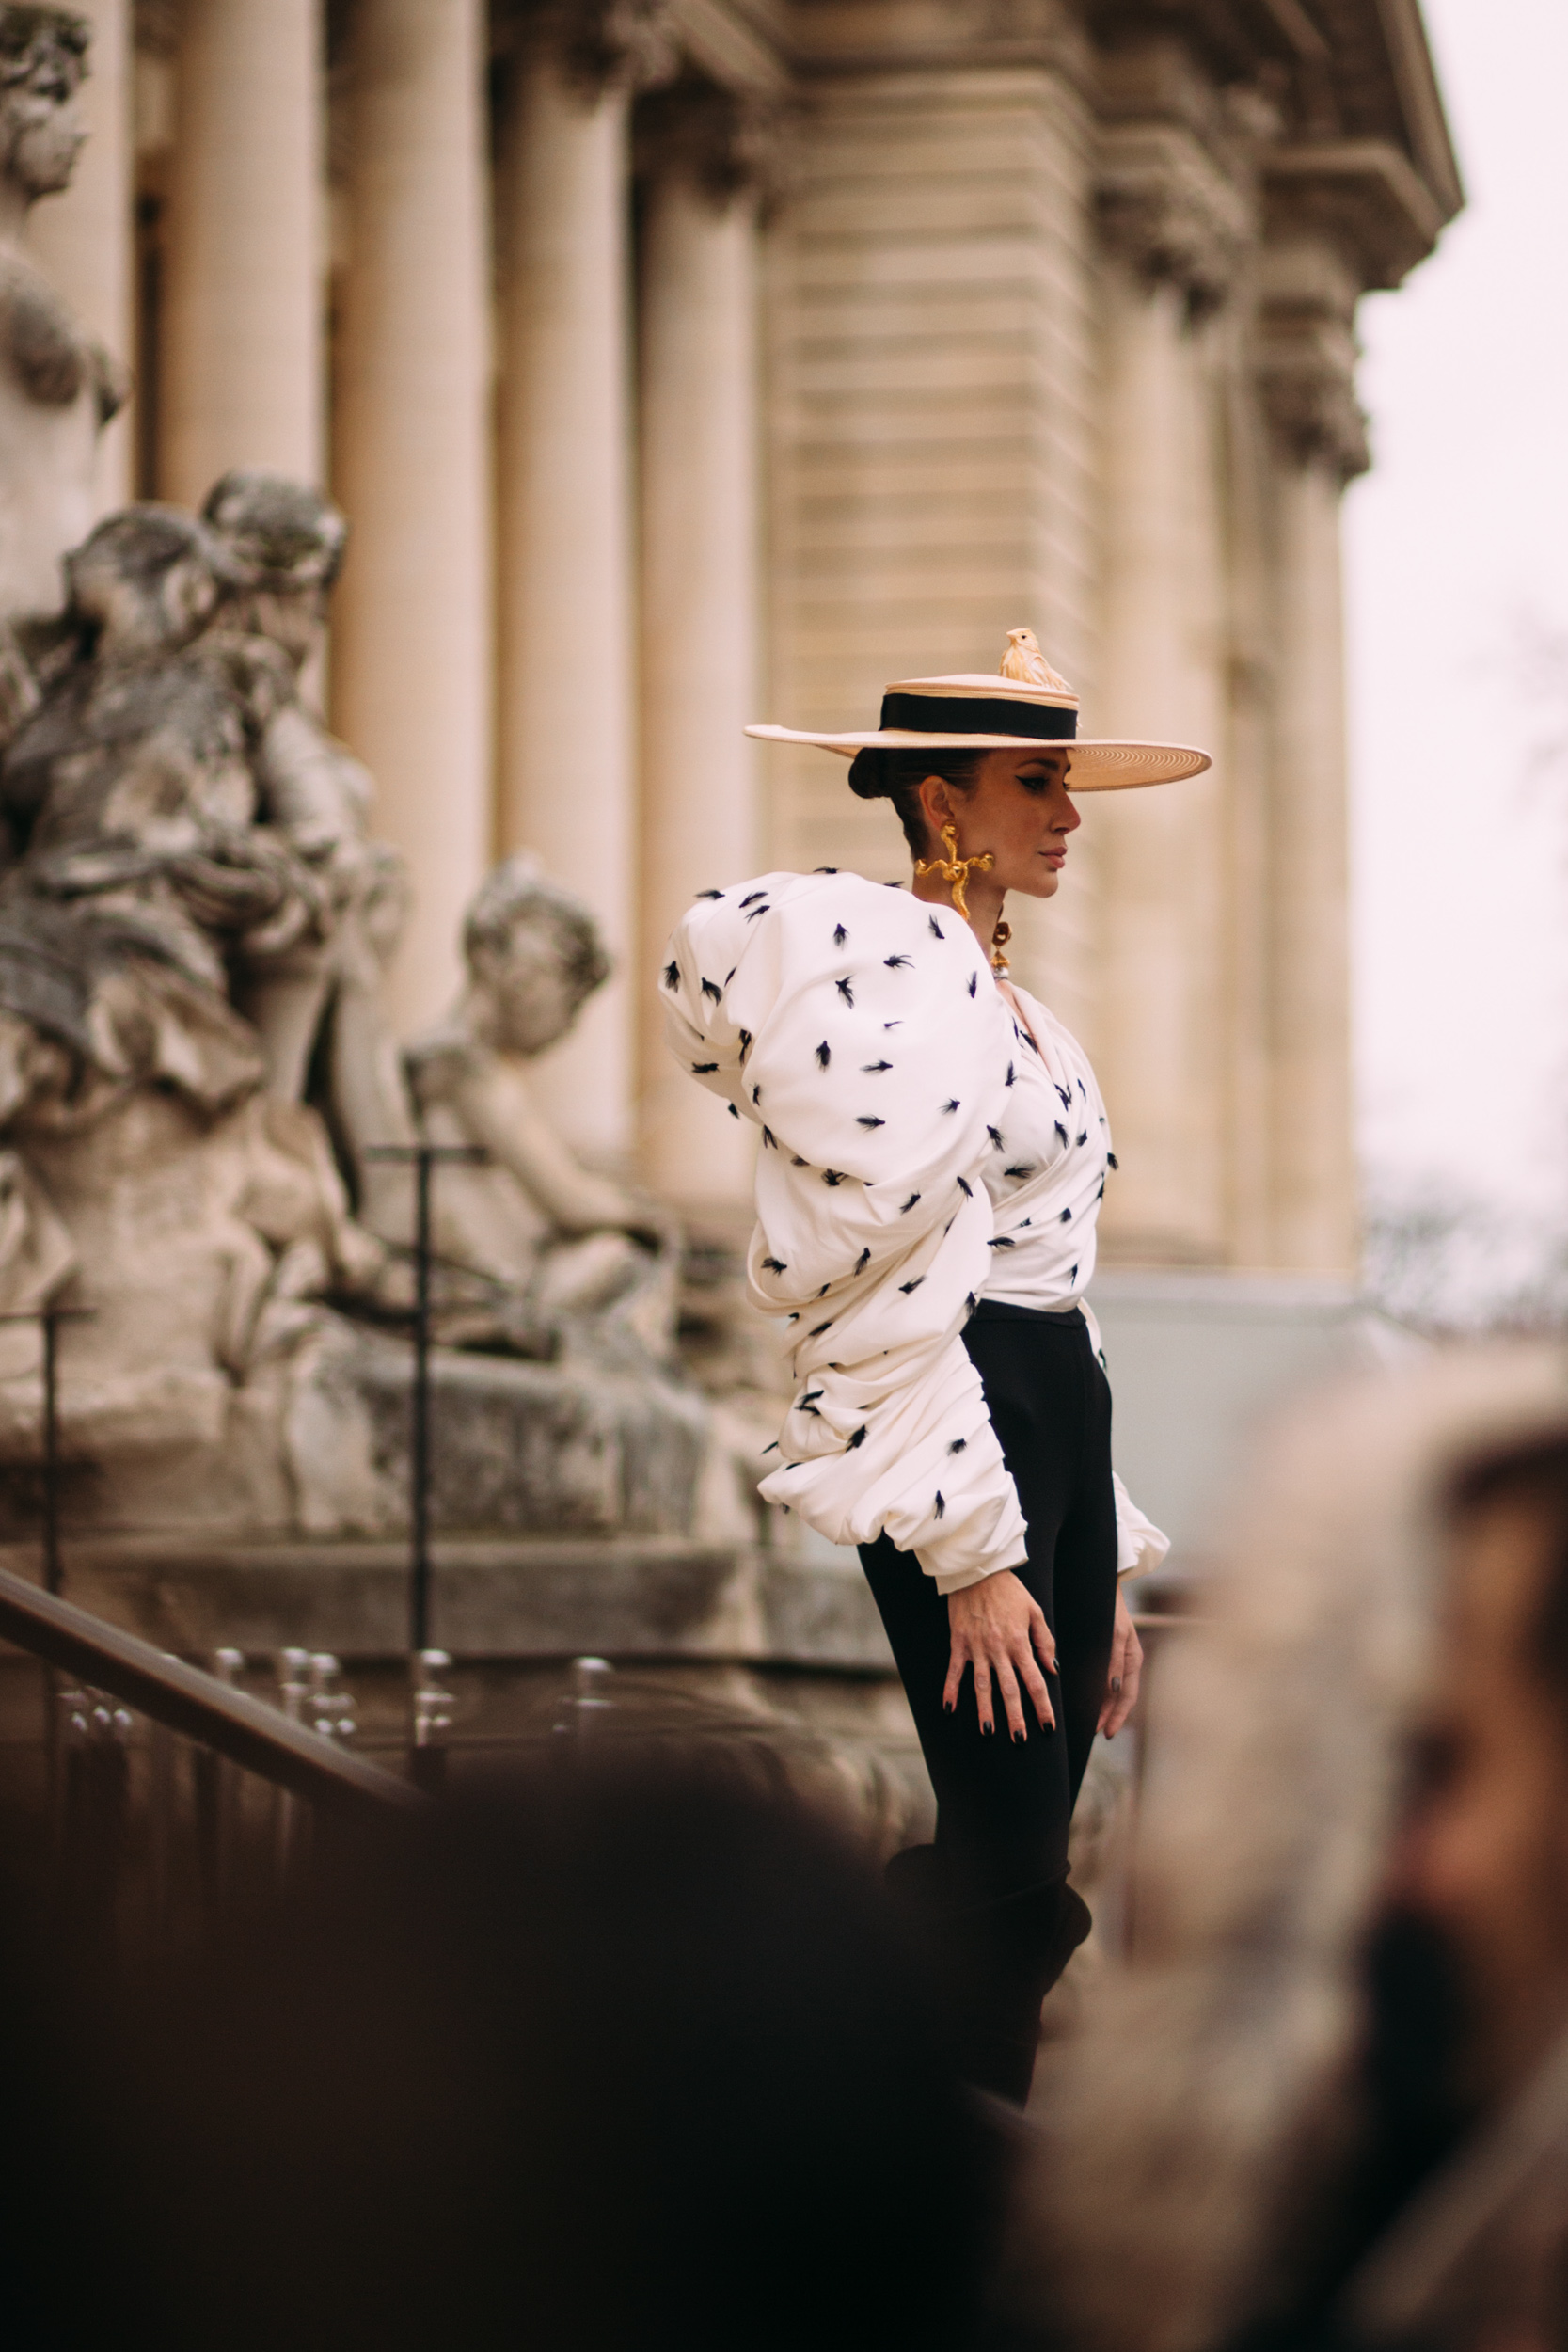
column 897, row 963
column 1020, row 1167
column 996, row 1140
column 939, row 1508
column 909, row 1204
column 951, row 1106
column 710, row 893
column 859, row 1438
column 824, row 1055
column 1066, row 1217
column 752, row 917
column 770, row 1139
column 1111, row 1160
column 871, row 1123
column 830, row 1175
column 937, row 931
column 771, row 1449
column 845, row 991
column 966, row 1189
column 892, row 1024
column 971, row 1302
column 840, row 934
column 756, row 1094
column 874, row 1069
column 672, row 976
column 862, row 1262
column 1062, row 1132
column 747, row 1042
column 807, row 1403
column 703, row 1068
column 751, row 897
column 824, row 869
column 711, row 989
column 1082, row 1140
column 1073, row 1276
column 1000, row 1241
column 815, row 1333
column 973, row 983
column 823, row 1292
column 776, row 1266
column 908, row 1287
column 734, row 968
column 1008, row 1080
column 733, row 1112
column 957, row 1445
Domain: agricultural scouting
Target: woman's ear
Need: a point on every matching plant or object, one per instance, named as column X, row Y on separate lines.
column 937, row 802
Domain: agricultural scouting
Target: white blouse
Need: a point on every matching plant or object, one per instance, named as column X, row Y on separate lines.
column 920, row 1149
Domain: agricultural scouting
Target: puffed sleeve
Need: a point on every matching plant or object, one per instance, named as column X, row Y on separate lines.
column 859, row 1030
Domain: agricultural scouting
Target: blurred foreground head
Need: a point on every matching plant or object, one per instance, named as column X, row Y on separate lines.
column 617, row 2057
column 1351, row 1898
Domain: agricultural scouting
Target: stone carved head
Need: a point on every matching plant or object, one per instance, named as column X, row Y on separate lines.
column 43, row 58
column 285, row 543
column 147, row 580
column 534, row 955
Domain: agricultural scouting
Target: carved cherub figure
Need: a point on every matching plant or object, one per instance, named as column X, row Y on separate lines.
column 565, row 1239
column 57, row 387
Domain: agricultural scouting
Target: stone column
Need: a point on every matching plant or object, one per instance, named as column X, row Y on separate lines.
column 241, row 354
column 85, row 239
column 411, row 657
column 699, row 579
column 1173, row 225
column 1307, row 373
column 567, row 668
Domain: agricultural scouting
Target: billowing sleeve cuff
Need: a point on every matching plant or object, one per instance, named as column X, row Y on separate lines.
column 1140, row 1544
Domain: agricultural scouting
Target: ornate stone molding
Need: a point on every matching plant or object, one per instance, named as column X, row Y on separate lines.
column 1170, row 211
column 725, row 143
column 1306, row 358
column 601, row 45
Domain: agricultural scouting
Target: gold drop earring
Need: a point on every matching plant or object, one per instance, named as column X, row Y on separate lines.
column 999, row 939
column 955, row 869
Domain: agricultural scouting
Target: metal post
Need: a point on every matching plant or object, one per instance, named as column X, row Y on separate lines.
column 419, row 1583
column 433, row 1708
column 425, row 1158
column 52, row 1579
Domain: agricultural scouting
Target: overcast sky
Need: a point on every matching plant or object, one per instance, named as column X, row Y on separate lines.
column 1457, row 566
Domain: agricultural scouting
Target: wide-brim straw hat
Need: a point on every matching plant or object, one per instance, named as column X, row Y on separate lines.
column 1025, row 706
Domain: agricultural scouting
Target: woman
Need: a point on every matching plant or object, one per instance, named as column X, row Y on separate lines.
column 934, row 1149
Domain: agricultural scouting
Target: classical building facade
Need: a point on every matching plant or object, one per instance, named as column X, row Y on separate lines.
column 685, row 362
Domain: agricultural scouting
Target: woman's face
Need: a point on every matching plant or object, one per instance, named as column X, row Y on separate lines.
column 1020, row 809
column 42, row 132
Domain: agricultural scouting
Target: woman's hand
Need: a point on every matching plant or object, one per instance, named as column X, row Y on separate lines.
column 999, row 1628
column 1127, row 1666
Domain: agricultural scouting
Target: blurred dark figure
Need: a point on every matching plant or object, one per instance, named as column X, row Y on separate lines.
column 1325, row 2109
column 616, row 2055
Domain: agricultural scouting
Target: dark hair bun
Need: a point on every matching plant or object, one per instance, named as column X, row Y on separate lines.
column 869, row 776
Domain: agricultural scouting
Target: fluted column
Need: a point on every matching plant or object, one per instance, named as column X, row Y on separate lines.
column 699, row 579
column 411, row 662
column 85, row 239
column 1172, row 225
column 567, row 662
column 241, row 356
column 1306, row 369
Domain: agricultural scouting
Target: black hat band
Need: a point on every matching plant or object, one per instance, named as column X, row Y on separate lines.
column 966, row 714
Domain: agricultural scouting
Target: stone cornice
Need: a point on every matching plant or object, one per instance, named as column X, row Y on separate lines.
column 1364, row 193
column 1170, row 211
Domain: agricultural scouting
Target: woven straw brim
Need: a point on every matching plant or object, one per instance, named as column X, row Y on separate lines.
column 1096, row 767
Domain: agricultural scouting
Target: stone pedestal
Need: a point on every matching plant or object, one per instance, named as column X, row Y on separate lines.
column 241, row 356
column 699, row 629
column 566, row 684
column 411, row 669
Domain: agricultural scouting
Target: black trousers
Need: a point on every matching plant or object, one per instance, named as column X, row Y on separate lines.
column 1003, row 1808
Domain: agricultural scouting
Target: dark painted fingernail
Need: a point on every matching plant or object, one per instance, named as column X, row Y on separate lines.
column 986, row 1730
column 1019, row 1739
column 947, row 1707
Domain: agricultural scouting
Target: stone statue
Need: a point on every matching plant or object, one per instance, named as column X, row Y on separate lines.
column 562, row 1241
column 57, row 387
